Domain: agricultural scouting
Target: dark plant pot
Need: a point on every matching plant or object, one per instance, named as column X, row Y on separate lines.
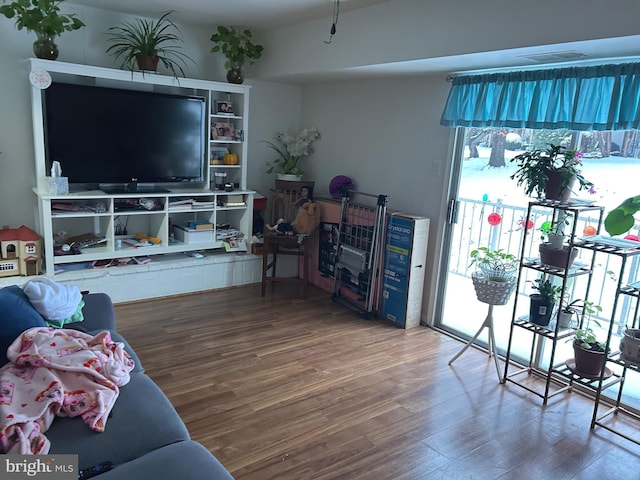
column 588, row 362
column 45, row 47
column 553, row 186
column 557, row 258
column 148, row 63
column 540, row 310
column 234, row 75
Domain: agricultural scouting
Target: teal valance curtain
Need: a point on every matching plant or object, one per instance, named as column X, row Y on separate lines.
column 605, row 97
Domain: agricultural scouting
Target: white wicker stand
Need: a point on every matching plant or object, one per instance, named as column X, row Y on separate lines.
column 491, row 293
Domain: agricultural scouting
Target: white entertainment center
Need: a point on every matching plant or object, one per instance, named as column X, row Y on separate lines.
column 209, row 214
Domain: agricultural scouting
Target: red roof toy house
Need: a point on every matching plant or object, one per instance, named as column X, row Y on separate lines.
column 21, row 252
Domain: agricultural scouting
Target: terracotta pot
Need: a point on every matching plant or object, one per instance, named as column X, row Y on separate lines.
column 553, row 186
column 557, row 258
column 148, row 63
column 588, row 362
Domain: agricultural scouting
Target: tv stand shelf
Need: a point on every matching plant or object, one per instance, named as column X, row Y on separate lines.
column 116, row 216
column 153, row 215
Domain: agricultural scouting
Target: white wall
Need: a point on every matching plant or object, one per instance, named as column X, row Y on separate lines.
column 385, row 135
column 400, row 30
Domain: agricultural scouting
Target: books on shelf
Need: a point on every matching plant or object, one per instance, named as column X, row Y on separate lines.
column 233, row 201
column 191, row 203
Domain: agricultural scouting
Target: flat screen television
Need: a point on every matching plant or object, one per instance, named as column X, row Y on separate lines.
column 125, row 140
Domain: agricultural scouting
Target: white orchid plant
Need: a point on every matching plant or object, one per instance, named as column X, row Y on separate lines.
column 292, row 149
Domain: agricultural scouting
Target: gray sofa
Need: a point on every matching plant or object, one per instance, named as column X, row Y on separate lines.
column 144, row 436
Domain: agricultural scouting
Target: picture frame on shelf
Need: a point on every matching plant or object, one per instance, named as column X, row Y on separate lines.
column 217, row 155
column 224, row 107
column 222, row 131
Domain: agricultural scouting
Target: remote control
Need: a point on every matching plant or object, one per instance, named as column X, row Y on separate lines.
column 95, row 470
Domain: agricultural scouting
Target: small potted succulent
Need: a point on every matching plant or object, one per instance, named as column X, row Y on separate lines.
column 550, row 173
column 42, row 17
column 145, row 43
column 238, row 50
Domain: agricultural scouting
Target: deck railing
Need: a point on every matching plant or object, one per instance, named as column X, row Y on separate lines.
column 500, row 226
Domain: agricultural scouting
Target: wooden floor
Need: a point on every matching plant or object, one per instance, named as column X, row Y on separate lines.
column 284, row 388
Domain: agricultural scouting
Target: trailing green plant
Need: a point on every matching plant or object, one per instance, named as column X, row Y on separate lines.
column 152, row 38
column 545, row 287
column 237, row 47
column 534, row 165
column 494, row 260
column 585, row 336
column 41, row 16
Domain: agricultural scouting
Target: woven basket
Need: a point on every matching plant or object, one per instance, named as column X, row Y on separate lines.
column 492, row 292
column 498, row 275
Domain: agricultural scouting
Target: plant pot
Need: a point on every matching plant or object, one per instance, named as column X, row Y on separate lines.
column 45, row 47
column 288, row 177
column 491, row 291
column 564, row 319
column 556, row 241
column 630, row 346
column 148, row 63
column 540, row 309
column 553, row 186
column 234, row 75
column 557, row 258
column 588, row 362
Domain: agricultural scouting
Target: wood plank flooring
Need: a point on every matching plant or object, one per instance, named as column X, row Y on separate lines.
column 285, row 388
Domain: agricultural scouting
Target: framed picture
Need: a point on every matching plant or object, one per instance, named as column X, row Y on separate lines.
column 222, row 131
column 223, row 107
column 217, row 155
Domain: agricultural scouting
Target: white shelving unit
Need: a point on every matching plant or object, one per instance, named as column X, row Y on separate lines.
column 79, row 215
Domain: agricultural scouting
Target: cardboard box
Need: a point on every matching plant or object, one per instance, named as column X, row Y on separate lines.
column 186, row 235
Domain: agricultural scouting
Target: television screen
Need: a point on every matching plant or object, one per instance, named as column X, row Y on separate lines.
column 112, row 136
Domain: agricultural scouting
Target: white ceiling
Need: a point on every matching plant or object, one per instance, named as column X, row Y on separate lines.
column 271, row 14
column 257, row 14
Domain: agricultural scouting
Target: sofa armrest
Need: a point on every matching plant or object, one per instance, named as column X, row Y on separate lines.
column 98, row 313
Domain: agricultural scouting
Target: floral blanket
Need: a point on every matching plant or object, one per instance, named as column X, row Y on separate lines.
column 58, row 372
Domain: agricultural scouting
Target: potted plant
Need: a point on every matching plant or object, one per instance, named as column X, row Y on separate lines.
column 542, row 303
column 496, row 265
column 590, row 354
column 145, row 43
column 495, row 281
column 551, row 172
column 238, row 49
column 42, row 17
column 292, row 149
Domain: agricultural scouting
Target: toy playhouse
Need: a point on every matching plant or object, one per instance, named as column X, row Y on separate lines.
column 20, row 252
